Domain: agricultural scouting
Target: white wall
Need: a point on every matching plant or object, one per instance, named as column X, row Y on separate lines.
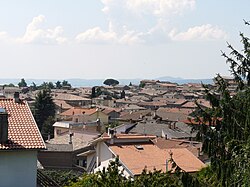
column 18, row 168
column 105, row 153
column 89, row 158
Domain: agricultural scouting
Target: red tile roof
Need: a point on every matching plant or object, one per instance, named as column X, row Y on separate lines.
column 78, row 111
column 23, row 132
column 152, row 157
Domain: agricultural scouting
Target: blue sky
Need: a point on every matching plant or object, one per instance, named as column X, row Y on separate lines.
column 63, row 39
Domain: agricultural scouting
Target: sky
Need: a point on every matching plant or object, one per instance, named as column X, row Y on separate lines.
column 98, row 39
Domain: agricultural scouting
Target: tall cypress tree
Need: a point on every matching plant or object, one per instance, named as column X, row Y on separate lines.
column 44, row 108
column 227, row 137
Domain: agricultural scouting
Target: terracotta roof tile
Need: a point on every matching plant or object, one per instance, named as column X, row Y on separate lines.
column 70, row 97
column 23, row 132
column 78, row 111
column 150, row 156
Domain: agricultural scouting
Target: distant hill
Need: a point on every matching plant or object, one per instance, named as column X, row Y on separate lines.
column 184, row 81
column 99, row 82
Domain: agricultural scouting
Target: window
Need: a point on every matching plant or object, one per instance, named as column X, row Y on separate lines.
column 82, row 163
column 58, row 131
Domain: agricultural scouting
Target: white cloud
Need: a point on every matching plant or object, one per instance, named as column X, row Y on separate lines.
column 122, row 29
column 154, row 7
column 4, row 36
column 147, row 20
column 97, row 35
column 160, row 7
column 35, row 34
column 203, row 32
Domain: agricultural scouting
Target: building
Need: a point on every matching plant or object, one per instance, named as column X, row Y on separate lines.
column 20, row 141
column 78, row 114
column 73, row 100
column 137, row 152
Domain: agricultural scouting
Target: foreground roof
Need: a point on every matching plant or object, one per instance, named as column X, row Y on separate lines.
column 151, row 157
column 23, row 132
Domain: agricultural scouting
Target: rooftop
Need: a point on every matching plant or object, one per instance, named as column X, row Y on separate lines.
column 79, row 139
column 78, row 111
column 151, row 157
column 23, row 132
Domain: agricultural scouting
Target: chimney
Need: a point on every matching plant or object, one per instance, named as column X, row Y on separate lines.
column 70, row 137
column 16, row 97
column 166, row 165
column 98, row 127
column 111, row 133
column 3, row 125
column 48, row 136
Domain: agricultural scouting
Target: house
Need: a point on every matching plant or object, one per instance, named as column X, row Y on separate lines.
column 61, row 106
column 170, row 87
column 135, row 116
column 132, row 108
column 137, row 152
column 77, row 114
column 123, row 102
column 20, row 141
column 171, row 116
column 148, row 83
column 73, row 100
column 154, row 105
column 65, row 150
column 104, row 100
column 9, row 92
column 113, row 114
column 176, row 103
column 176, row 130
column 70, row 140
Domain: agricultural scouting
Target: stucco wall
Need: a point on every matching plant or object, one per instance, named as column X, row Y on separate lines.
column 103, row 117
column 18, row 168
column 105, row 153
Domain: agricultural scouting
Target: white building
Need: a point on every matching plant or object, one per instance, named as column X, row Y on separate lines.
column 137, row 152
column 20, row 141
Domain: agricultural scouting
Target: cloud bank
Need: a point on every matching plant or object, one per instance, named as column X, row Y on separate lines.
column 128, row 22
column 126, row 15
column 36, row 34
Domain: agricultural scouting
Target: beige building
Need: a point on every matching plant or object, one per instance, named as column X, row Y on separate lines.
column 77, row 114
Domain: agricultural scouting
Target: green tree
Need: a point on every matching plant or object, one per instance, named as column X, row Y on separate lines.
column 58, row 85
column 51, row 85
column 44, row 109
column 9, row 85
column 122, row 94
column 66, row 84
column 93, row 92
column 22, row 83
column 48, row 128
column 111, row 82
column 227, row 137
column 142, row 85
column 46, row 86
column 62, row 177
column 33, row 86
